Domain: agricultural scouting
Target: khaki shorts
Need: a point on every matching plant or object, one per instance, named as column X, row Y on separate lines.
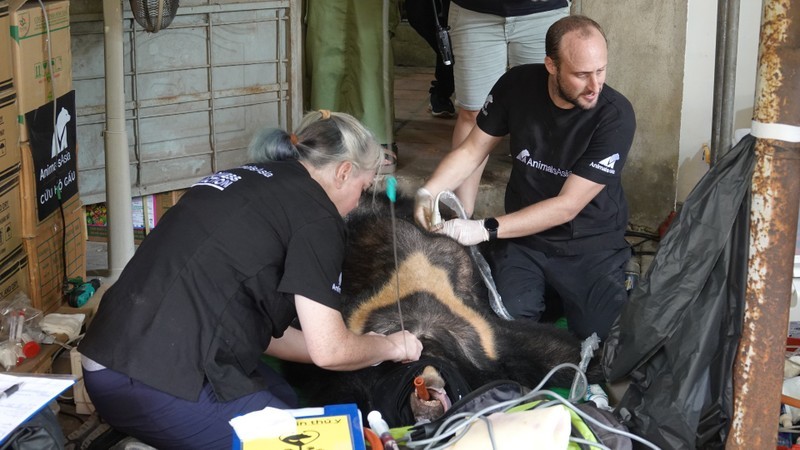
column 486, row 45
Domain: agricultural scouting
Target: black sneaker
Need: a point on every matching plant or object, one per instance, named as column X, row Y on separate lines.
column 442, row 106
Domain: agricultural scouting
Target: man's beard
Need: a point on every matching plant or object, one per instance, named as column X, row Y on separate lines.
column 575, row 99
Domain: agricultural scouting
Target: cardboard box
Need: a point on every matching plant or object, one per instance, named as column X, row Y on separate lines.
column 167, row 200
column 38, row 78
column 97, row 219
column 45, row 243
column 10, row 215
column 55, row 242
column 157, row 205
column 14, row 5
column 14, row 274
column 6, row 72
column 9, row 132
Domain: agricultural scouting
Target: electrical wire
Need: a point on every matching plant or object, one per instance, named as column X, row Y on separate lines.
column 65, row 346
column 642, row 234
column 49, row 65
column 443, row 432
column 461, row 422
column 589, row 443
column 51, row 70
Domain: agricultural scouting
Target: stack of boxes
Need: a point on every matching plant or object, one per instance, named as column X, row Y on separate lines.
column 13, row 261
column 146, row 211
column 43, row 232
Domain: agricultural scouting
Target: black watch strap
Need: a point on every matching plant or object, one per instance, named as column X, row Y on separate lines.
column 491, row 225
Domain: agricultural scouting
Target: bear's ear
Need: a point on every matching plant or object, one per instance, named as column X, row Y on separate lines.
column 374, row 201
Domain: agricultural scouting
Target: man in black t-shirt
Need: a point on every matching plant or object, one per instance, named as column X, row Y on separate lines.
column 566, row 213
column 488, row 37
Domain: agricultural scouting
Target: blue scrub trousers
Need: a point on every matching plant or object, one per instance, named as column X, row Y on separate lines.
column 168, row 422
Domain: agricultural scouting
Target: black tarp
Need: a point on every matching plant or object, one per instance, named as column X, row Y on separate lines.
column 677, row 338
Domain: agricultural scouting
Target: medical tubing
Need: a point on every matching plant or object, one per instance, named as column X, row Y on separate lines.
column 391, row 192
column 451, row 200
column 381, row 428
column 443, row 433
column 373, row 439
column 579, row 386
column 421, row 389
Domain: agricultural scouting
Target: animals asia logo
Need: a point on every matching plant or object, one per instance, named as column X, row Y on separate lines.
column 60, row 143
column 606, row 165
column 53, row 143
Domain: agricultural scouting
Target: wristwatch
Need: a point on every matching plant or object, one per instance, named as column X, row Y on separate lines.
column 491, row 225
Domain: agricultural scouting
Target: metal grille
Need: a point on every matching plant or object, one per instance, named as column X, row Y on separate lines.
column 195, row 92
column 154, row 15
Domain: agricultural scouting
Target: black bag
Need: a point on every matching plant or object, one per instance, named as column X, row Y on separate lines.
column 504, row 390
column 683, row 322
column 40, row 432
column 489, row 394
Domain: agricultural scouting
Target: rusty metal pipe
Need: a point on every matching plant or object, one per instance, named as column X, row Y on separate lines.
column 758, row 372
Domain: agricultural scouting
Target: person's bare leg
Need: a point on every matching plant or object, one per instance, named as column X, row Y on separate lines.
column 468, row 191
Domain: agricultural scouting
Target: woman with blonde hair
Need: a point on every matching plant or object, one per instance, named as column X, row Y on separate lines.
column 175, row 349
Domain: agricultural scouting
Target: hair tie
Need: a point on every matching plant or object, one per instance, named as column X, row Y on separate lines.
column 293, row 138
column 326, row 114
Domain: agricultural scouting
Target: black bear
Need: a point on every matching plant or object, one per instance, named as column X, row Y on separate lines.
column 444, row 302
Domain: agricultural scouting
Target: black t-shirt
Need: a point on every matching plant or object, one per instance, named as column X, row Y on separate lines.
column 511, row 8
column 548, row 143
column 215, row 281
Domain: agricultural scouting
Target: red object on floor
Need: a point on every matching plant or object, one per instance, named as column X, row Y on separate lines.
column 31, row 349
column 662, row 229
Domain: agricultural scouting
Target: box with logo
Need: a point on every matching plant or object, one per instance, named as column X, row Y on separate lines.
column 58, row 243
column 9, row 134
column 6, row 73
column 156, row 206
column 143, row 210
column 10, row 215
column 14, row 274
column 40, row 78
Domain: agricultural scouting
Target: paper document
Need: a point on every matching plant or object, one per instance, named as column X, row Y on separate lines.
column 34, row 392
column 332, row 427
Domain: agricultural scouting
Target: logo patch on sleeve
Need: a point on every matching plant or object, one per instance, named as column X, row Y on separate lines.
column 606, row 165
column 337, row 286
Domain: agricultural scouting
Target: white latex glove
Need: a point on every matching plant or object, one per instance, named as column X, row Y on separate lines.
column 466, row 232
column 423, row 208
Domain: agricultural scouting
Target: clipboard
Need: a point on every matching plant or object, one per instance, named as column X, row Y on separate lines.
column 33, row 394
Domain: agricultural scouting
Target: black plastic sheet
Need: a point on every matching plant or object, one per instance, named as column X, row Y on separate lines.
column 677, row 338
